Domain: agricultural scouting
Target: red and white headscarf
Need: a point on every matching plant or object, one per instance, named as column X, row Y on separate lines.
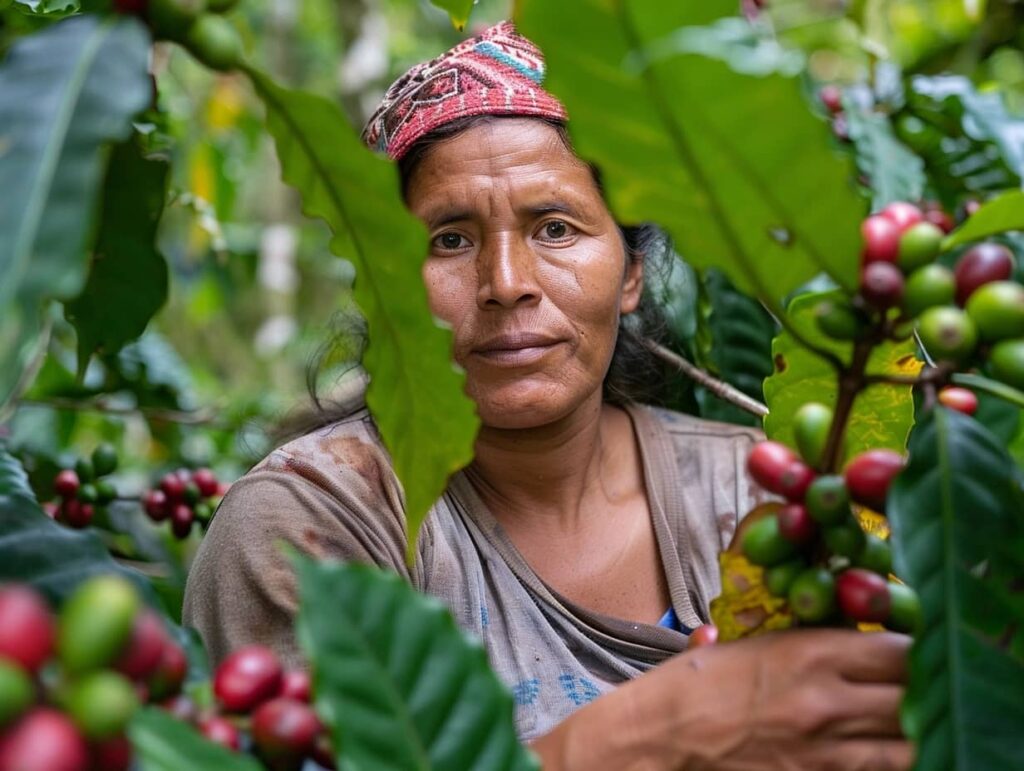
column 498, row 72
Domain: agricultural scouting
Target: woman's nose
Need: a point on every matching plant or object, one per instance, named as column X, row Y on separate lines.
column 506, row 274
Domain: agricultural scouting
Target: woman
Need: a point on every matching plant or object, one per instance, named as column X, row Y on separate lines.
column 581, row 543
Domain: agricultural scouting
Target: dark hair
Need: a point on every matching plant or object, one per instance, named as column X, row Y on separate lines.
column 634, row 375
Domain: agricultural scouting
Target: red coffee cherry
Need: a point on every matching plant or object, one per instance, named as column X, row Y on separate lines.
column 111, row 754
column 832, row 98
column 881, row 238
column 706, row 634
column 169, row 676
column 246, row 678
column 979, row 265
column 903, row 214
column 796, row 524
column 173, row 486
column 155, row 504
column 285, row 728
column 206, row 481
column 767, row 462
column 881, row 285
column 76, row 514
column 66, row 483
column 43, row 740
column 182, row 518
column 295, row 684
column 959, row 399
column 220, row 730
column 940, row 218
column 181, row 707
column 869, row 475
column 144, row 652
column 26, row 627
column 863, row 596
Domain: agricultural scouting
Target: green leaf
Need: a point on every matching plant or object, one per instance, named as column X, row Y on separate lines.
column 1003, row 213
column 882, row 414
column 397, row 682
column 415, row 393
column 65, row 92
column 127, row 281
column 957, row 516
column 458, row 10
column 163, row 743
column 894, row 173
column 677, row 127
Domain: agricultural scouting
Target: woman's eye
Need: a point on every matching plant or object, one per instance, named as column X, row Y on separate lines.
column 448, row 241
column 556, row 229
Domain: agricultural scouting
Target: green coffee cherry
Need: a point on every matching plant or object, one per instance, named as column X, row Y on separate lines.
column 84, row 470
column 96, row 623
column 839, row 320
column 104, row 459
column 947, row 333
column 101, row 704
column 763, row 544
column 846, row 539
column 997, row 309
column 828, row 500
column 811, row 425
column 16, row 691
column 919, row 245
column 778, row 579
column 215, row 42
column 1007, row 362
column 905, row 613
column 876, row 555
column 928, row 287
column 812, row 595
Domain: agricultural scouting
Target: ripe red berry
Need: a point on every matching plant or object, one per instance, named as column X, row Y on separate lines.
column 285, row 728
column 832, row 98
column 246, row 678
column 796, row 524
column 26, row 627
column 51, row 509
column 173, row 486
column 863, row 596
column 181, row 707
column 76, row 514
column 881, row 285
column 903, row 214
column 706, row 634
column 979, row 265
column 869, row 475
column 206, row 481
column 111, row 754
column 43, row 740
column 155, row 504
column 767, row 462
column 169, row 676
column 221, row 731
column 295, row 684
column 145, row 648
column 881, row 238
column 940, row 219
column 795, row 480
column 66, row 483
column 959, row 399
column 182, row 518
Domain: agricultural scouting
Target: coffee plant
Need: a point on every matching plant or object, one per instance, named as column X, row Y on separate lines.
column 841, row 182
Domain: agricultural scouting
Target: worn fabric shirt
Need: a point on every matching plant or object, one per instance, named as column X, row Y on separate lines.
column 333, row 493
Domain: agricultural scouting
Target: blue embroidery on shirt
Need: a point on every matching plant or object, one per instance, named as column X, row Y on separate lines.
column 579, row 690
column 525, row 692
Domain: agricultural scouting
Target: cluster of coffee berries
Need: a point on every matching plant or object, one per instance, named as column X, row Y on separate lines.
column 831, row 98
column 813, row 549
column 184, row 498
column 195, row 24
column 970, row 315
column 259, row 699
column 83, row 491
column 70, row 683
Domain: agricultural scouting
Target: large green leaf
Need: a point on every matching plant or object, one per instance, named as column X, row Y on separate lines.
column 415, row 393
column 998, row 215
column 397, row 682
column 893, row 172
column 957, row 515
column 458, row 10
column 163, row 743
column 127, row 276
column 65, row 93
column 882, row 414
column 674, row 116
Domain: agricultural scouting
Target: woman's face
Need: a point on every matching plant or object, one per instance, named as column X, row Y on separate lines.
column 527, row 266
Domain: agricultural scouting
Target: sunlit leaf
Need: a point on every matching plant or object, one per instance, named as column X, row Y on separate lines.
column 882, row 414
column 415, row 393
column 675, row 119
column 1000, row 214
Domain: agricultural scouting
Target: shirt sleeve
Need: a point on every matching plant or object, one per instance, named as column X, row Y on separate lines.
column 241, row 588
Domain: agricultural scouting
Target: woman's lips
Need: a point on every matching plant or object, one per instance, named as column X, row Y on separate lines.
column 517, row 349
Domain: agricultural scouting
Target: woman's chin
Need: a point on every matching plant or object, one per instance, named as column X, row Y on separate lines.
column 524, row 406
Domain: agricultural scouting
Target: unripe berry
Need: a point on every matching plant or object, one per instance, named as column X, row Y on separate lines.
column 104, row 459
column 979, row 265
column 876, row 555
column 764, row 545
column 246, row 678
column 17, row 692
column 928, row 287
column 811, row 426
column 812, row 595
column 863, row 596
column 43, row 740
column 828, row 501
column 904, row 215
column 919, row 245
column 839, row 320
column 101, row 704
column 997, row 310
column 947, row 333
column 881, row 285
column 1007, row 362
column 26, row 627
column 779, row 578
column 959, row 399
column 96, row 623
column 869, row 475
column 905, row 613
column 285, row 728
column 66, row 483
column 881, row 238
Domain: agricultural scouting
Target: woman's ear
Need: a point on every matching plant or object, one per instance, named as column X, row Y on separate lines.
column 632, row 287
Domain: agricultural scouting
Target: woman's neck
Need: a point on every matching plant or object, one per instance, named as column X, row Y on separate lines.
column 550, row 476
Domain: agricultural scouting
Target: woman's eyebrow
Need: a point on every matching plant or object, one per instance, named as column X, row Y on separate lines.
column 447, row 217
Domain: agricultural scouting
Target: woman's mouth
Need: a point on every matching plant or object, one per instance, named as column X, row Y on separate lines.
column 517, row 349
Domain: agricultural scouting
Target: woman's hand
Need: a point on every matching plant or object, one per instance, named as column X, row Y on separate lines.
column 809, row 699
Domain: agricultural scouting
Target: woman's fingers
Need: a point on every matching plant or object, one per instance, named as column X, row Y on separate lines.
column 862, row 755
column 875, row 657
column 867, row 710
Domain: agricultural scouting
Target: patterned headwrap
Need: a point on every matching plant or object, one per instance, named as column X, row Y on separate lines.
column 498, row 72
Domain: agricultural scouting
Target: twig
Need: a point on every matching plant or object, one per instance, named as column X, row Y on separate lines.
column 185, row 417
column 719, row 388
